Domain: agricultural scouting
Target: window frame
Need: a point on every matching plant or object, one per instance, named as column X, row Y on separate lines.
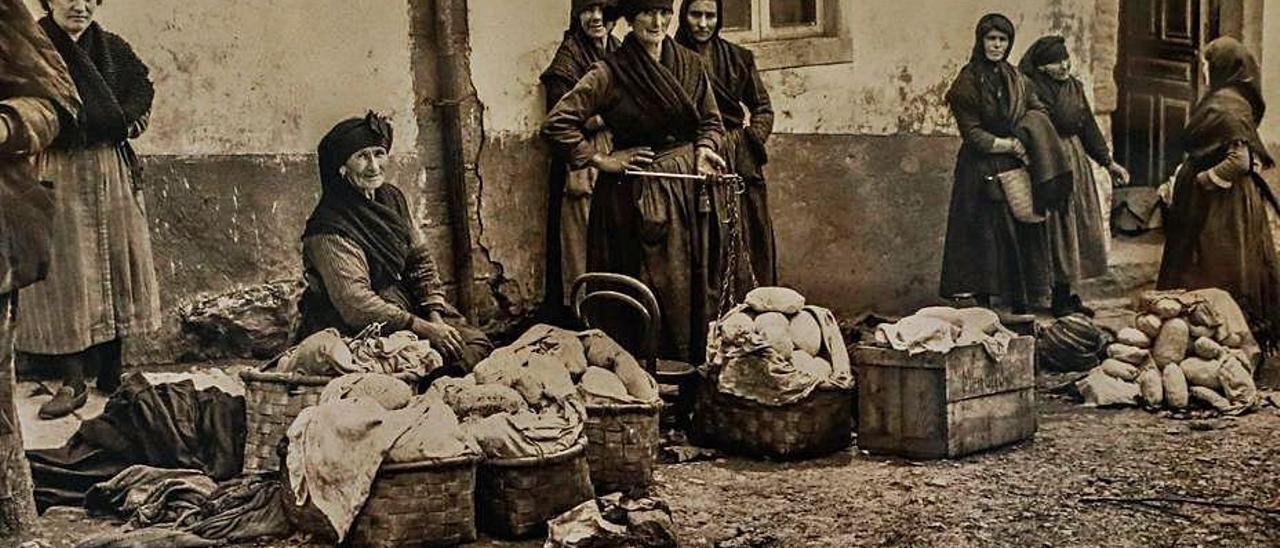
column 824, row 43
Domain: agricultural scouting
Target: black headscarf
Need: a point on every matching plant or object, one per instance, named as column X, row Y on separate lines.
column 1233, row 107
column 111, row 80
column 379, row 226
column 1067, row 103
column 628, row 8
column 726, row 64
column 577, row 51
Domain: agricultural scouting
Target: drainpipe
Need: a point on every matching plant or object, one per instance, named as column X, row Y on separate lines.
column 451, row 63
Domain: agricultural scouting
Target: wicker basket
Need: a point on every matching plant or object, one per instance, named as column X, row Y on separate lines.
column 622, row 445
column 819, row 424
column 409, row 504
column 516, row 497
column 271, row 402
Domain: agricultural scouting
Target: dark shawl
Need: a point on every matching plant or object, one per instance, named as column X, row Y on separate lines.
column 1232, row 110
column 576, row 54
column 379, row 226
column 662, row 91
column 111, row 80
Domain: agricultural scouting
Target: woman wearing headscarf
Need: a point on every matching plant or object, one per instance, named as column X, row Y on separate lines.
column 988, row 253
column 102, row 283
column 1216, row 232
column 656, row 98
column 364, row 257
column 1077, row 233
column 739, row 93
column 588, row 39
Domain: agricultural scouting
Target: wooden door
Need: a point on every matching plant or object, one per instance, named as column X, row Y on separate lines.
column 1158, row 73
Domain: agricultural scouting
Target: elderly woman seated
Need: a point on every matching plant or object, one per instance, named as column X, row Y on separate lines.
column 364, row 257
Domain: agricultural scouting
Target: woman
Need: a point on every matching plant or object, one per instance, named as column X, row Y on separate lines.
column 1077, row 234
column 987, row 252
column 102, row 283
column 655, row 97
column 365, row 260
column 1216, row 233
column 588, row 39
column 739, row 93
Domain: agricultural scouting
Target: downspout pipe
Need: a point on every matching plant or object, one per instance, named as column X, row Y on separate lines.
column 451, row 64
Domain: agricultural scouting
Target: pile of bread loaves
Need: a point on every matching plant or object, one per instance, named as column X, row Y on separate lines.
column 1181, row 352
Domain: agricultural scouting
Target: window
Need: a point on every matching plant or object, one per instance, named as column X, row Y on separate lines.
column 788, row 33
column 759, row 20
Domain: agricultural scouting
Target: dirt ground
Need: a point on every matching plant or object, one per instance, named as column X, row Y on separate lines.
column 1033, row 494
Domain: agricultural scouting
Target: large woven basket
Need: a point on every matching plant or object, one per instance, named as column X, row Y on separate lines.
column 271, row 402
column 516, row 497
column 409, row 505
column 622, row 445
column 819, row 424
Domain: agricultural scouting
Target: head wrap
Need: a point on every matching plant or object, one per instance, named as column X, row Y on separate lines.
column 349, row 137
column 684, row 34
column 629, row 8
column 1231, row 64
column 579, row 6
column 1044, row 51
column 988, row 23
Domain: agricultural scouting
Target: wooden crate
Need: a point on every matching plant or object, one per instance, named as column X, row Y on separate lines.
column 944, row 405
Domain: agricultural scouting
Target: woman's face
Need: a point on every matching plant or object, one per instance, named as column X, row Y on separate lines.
column 364, row 169
column 702, row 18
column 995, row 45
column 73, row 16
column 592, row 22
column 1059, row 71
column 650, row 26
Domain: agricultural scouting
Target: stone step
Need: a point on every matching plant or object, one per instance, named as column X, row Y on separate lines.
column 1135, row 264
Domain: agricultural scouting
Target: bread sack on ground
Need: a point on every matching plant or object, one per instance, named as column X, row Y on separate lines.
column 1176, row 394
column 1171, row 345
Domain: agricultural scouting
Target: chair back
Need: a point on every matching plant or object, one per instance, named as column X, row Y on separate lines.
column 623, row 308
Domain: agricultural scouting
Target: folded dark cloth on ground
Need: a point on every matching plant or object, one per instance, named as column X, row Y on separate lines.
column 185, row 508
column 169, row 425
column 245, row 508
column 151, row 537
column 146, row 495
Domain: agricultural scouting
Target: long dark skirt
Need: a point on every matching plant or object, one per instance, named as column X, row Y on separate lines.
column 987, row 252
column 650, row 229
column 1221, row 238
column 1077, row 235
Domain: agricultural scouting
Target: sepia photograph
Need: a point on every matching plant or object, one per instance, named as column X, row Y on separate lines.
column 639, row 273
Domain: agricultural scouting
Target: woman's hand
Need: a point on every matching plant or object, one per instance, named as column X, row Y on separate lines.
column 1119, row 175
column 709, row 162
column 636, row 158
column 442, row 336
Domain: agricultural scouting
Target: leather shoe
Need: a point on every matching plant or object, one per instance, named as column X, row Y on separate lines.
column 64, row 402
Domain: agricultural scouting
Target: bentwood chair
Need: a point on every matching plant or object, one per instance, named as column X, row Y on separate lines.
column 625, row 309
